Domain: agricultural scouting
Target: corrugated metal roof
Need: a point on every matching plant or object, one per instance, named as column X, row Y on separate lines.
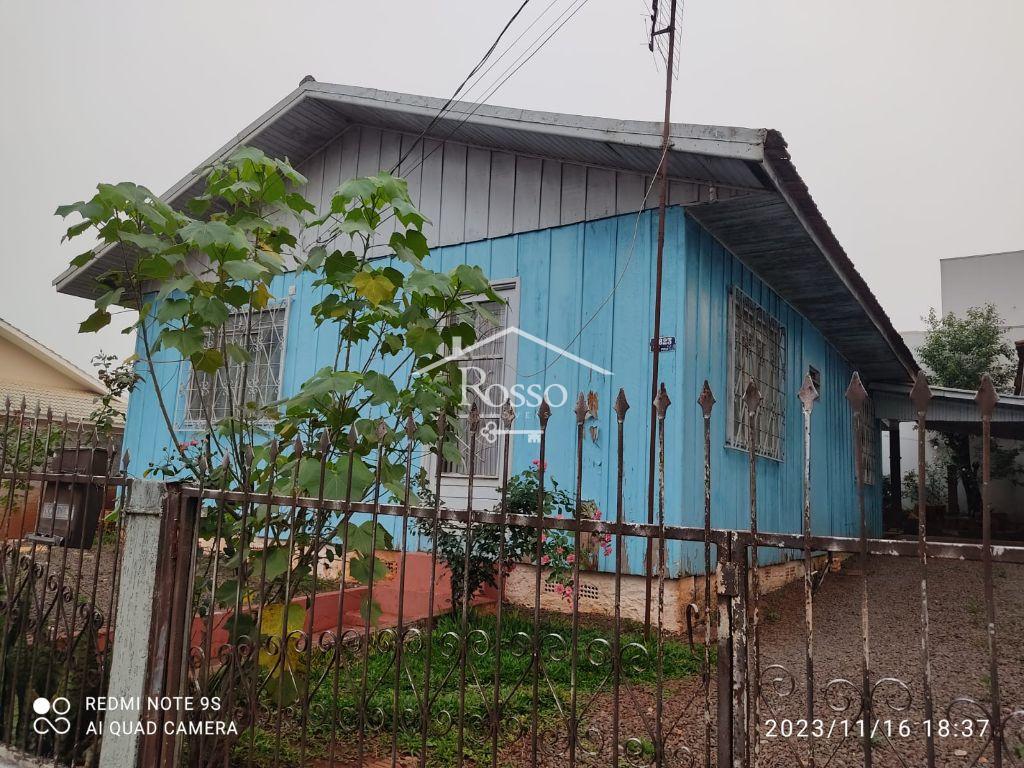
column 950, row 410
column 780, row 233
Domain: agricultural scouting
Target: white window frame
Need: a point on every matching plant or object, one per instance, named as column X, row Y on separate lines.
column 774, row 399
column 508, row 290
column 189, row 422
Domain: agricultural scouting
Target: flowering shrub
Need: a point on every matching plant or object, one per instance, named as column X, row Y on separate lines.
column 558, row 547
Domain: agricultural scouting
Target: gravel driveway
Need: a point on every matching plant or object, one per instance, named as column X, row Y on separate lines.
column 959, row 655
column 959, row 668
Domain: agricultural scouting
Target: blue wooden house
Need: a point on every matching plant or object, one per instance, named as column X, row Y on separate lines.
column 560, row 212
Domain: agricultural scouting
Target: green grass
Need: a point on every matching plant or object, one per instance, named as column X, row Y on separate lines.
column 593, row 672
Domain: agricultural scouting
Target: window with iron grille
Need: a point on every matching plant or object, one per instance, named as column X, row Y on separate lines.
column 865, row 434
column 757, row 351
column 261, row 333
column 483, row 365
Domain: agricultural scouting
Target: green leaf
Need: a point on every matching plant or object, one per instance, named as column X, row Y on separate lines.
column 335, row 478
column 359, row 568
column 98, row 319
column 108, row 298
column 172, row 309
column 351, row 189
column 315, row 258
column 298, row 203
column 183, row 284
column 373, row 287
column 403, row 251
column 188, row 341
column 207, row 360
column 213, row 311
column 370, row 610
column 429, row 282
column 206, row 234
column 450, row 451
column 82, row 259
column 226, row 592
column 155, row 268
column 245, row 270
column 276, row 559
column 471, row 278
column 381, row 387
column 423, row 341
column 145, row 241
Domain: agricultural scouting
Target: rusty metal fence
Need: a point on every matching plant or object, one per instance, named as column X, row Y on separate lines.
column 317, row 630
column 59, row 575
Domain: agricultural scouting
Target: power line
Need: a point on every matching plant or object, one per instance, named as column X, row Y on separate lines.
column 506, row 75
column 447, row 105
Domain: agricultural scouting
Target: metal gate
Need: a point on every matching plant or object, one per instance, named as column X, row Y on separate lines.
column 502, row 684
column 347, row 628
column 59, row 580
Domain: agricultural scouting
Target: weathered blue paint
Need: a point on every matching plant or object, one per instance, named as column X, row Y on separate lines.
column 589, row 288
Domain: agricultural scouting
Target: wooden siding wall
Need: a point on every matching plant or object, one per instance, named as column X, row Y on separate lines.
column 598, row 276
column 470, row 193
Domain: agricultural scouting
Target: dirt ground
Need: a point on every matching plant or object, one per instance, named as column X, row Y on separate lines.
column 959, row 659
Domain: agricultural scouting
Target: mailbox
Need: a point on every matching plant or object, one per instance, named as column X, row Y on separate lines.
column 70, row 510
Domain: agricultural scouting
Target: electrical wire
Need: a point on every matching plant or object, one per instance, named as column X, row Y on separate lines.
column 622, row 274
column 509, row 72
column 447, row 105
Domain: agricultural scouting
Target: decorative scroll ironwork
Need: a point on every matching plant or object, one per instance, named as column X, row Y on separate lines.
column 59, row 578
column 457, row 684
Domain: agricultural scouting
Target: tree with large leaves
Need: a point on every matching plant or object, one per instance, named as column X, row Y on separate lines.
column 191, row 274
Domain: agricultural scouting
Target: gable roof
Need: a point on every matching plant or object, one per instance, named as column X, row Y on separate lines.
column 47, row 356
column 776, row 228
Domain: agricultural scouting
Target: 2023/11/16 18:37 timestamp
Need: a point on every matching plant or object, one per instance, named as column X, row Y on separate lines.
column 839, row 728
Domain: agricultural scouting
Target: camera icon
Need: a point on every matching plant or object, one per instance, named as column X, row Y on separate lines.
column 58, row 707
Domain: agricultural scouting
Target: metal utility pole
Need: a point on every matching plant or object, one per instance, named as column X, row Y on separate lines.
column 670, row 31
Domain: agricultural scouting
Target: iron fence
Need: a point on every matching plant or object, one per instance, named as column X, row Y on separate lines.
column 59, row 576
column 311, row 633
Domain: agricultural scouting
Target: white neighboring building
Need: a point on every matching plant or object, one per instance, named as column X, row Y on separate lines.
column 994, row 278
column 973, row 281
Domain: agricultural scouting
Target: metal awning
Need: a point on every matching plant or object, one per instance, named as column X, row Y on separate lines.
column 950, row 410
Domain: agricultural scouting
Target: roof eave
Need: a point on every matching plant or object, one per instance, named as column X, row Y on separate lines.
column 787, row 181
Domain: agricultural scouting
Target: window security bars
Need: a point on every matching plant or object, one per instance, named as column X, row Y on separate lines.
column 482, row 368
column 867, row 434
column 261, row 333
column 757, row 352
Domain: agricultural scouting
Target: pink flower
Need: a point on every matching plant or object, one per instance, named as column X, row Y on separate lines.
column 597, row 514
column 560, row 551
column 545, row 560
column 571, row 558
column 558, row 516
column 607, row 549
column 543, row 537
column 537, row 463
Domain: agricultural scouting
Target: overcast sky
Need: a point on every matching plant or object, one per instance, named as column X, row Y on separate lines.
column 905, row 118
